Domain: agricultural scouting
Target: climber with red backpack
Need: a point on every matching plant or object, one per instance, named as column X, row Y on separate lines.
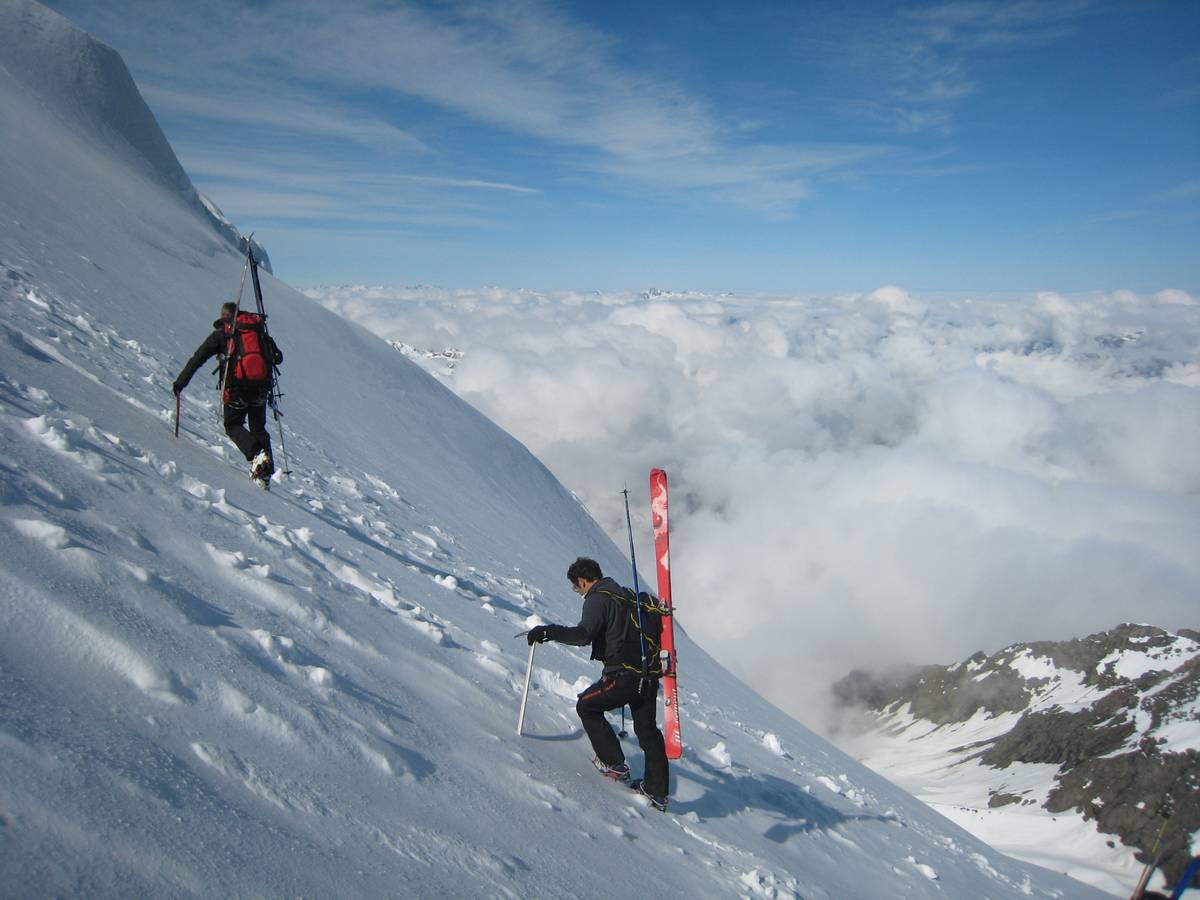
column 248, row 357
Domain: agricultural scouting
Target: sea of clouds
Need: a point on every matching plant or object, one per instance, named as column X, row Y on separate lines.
column 857, row 480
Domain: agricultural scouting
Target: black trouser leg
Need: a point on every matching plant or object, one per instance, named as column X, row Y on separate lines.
column 235, row 418
column 607, row 693
column 249, row 440
column 256, row 416
column 613, row 692
column 644, row 708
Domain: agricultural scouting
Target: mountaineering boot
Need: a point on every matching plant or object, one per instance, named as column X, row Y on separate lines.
column 659, row 803
column 261, row 469
column 616, row 773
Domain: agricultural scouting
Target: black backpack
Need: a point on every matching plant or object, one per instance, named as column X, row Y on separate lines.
column 640, row 649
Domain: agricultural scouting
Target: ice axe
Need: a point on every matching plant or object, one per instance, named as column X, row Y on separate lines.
column 528, row 676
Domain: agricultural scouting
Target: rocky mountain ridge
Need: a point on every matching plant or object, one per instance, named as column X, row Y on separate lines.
column 1111, row 720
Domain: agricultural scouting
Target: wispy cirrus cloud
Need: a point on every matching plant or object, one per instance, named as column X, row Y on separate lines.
column 1168, row 200
column 972, row 24
column 529, row 69
column 526, row 67
column 927, row 57
column 298, row 115
column 1188, row 190
column 770, row 179
column 314, row 172
column 295, row 188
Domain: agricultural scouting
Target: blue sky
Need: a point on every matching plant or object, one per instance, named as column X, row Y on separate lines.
column 776, row 147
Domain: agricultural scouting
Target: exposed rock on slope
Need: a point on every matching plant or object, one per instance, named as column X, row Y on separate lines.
column 1117, row 714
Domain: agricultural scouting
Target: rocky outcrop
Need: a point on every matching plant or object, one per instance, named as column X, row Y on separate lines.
column 1117, row 712
column 939, row 694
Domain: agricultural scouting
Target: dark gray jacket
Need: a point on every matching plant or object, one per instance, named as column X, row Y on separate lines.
column 604, row 624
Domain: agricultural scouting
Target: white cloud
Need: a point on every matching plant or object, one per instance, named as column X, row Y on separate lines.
column 862, row 478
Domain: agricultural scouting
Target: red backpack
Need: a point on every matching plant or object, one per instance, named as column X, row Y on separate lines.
column 247, row 348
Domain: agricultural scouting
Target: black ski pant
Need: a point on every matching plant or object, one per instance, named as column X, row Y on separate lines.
column 613, row 692
column 238, row 414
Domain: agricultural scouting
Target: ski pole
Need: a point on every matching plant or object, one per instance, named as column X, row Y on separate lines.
column 287, row 469
column 637, row 599
column 177, row 415
column 525, row 695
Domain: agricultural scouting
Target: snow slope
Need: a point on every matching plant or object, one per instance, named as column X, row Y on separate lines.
column 210, row 690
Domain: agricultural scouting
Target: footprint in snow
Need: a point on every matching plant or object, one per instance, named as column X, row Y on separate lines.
column 284, row 652
column 61, row 632
column 260, row 781
column 63, row 436
column 772, row 743
column 928, row 871
column 429, row 625
column 720, row 755
column 491, row 665
column 52, row 536
column 202, row 491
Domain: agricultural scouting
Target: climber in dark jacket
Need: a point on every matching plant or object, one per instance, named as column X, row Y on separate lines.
column 244, row 399
column 605, row 624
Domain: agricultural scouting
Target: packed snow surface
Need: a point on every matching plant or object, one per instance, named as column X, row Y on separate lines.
column 211, row 690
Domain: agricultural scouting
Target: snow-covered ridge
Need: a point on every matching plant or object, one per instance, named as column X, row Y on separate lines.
column 84, row 86
column 1101, row 734
column 231, row 233
column 208, row 690
column 440, row 363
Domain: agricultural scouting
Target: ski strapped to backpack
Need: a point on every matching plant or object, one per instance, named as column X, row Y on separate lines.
column 275, row 395
column 659, row 521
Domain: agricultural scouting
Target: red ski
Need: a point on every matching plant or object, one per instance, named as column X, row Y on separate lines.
column 662, row 558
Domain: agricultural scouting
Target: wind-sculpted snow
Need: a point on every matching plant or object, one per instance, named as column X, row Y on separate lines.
column 210, row 690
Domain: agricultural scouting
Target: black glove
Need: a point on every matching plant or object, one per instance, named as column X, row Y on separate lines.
column 539, row 634
column 177, row 388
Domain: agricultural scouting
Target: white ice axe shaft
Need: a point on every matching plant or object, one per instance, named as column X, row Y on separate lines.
column 525, row 695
